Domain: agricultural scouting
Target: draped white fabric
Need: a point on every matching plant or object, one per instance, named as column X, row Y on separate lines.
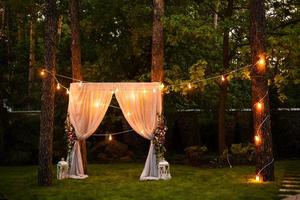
column 139, row 102
column 88, row 104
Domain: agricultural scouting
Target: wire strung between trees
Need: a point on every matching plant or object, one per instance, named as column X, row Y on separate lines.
column 259, row 105
column 169, row 85
column 213, row 77
column 116, row 133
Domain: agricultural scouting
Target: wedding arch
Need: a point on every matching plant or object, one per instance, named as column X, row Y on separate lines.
column 141, row 104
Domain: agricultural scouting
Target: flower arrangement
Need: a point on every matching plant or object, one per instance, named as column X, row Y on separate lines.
column 159, row 138
column 70, row 134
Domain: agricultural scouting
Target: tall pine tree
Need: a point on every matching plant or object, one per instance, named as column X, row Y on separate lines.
column 48, row 94
column 260, row 95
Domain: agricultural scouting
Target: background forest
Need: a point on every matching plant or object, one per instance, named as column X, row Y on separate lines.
column 116, row 46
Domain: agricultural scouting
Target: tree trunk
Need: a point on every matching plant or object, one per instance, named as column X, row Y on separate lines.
column 59, row 27
column 32, row 38
column 224, row 84
column 20, row 30
column 8, row 33
column 216, row 15
column 2, row 12
column 157, row 63
column 47, row 100
column 76, row 61
column 75, row 45
column 261, row 118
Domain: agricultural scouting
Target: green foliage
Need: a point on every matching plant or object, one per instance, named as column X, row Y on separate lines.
column 116, row 46
column 239, row 154
column 121, row 181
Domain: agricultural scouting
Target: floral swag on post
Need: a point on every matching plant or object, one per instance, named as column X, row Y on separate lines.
column 159, row 138
column 160, row 150
column 71, row 138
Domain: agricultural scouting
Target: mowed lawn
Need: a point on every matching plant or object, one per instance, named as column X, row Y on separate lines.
column 121, row 181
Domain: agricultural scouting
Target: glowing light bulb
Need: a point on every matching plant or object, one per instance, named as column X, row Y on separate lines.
column 58, row 86
column 128, row 114
column 189, row 86
column 261, row 63
column 97, row 104
column 161, row 87
column 259, row 106
column 117, row 90
column 67, row 92
column 154, row 90
column 80, row 83
column 144, row 91
column 257, row 178
column 223, row 78
column 110, row 137
column 43, row 72
column 133, row 96
column 257, row 140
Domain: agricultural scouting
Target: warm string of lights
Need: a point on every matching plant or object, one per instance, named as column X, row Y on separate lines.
column 222, row 77
column 112, row 134
column 259, row 107
column 189, row 85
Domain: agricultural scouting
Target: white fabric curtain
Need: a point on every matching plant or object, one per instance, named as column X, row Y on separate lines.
column 88, row 104
column 141, row 104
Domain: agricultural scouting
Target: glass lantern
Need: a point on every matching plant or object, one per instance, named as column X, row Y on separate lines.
column 164, row 170
column 62, row 169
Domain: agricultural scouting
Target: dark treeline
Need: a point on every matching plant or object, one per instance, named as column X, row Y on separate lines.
column 116, row 41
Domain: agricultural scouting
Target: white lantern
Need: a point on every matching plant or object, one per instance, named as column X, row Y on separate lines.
column 62, row 169
column 164, row 170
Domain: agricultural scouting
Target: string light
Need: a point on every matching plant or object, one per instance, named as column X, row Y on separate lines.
column 67, row 92
column 261, row 66
column 259, row 106
column 154, row 90
column 58, row 86
column 42, row 72
column 110, row 137
column 257, row 139
column 161, row 86
column 257, row 178
column 223, row 78
column 261, row 63
column 133, row 96
column 112, row 134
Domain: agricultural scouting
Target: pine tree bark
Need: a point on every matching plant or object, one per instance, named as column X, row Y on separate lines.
column 261, row 119
column 47, row 100
column 224, row 84
column 20, row 29
column 32, row 41
column 9, row 37
column 59, row 27
column 157, row 62
column 2, row 19
column 76, row 61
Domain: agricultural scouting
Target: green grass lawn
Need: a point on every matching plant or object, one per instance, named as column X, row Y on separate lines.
column 121, row 181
